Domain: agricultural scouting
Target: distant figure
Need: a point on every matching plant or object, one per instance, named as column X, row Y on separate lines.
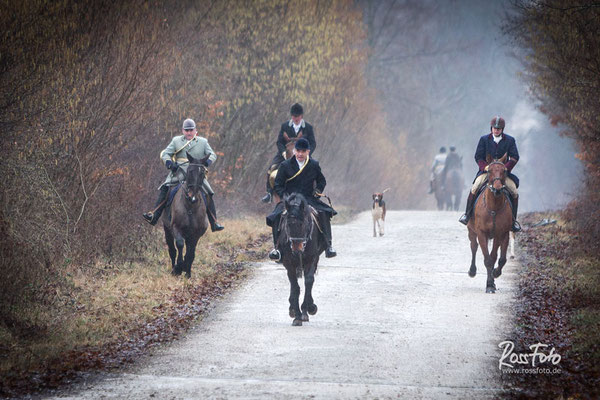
column 495, row 144
column 437, row 167
column 453, row 160
column 296, row 127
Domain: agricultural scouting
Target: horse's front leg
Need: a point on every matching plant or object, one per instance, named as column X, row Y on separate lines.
column 309, row 306
column 473, row 239
column 294, row 296
column 171, row 244
column 502, row 260
column 490, row 286
column 190, row 254
column 179, row 243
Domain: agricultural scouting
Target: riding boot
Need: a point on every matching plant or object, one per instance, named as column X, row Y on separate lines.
column 269, row 196
column 212, row 214
column 464, row 219
column 325, row 222
column 516, row 227
column 153, row 217
column 275, row 254
column 430, row 187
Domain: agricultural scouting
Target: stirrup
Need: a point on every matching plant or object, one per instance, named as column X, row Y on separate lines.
column 149, row 218
column 275, row 255
column 267, row 198
column 464, row 219
column 330, row 252
column 217, row 227
column 516, row 227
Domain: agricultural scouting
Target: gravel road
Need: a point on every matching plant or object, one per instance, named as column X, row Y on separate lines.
column 398, row 318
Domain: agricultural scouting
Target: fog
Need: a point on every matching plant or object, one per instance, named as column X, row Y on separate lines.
column 444, row 69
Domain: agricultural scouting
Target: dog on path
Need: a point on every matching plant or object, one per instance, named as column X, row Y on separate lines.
column 378, row 213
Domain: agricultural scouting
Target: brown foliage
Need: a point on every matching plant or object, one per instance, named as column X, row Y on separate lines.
column 561, row 45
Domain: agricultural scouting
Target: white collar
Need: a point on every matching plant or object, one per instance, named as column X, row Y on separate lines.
column 302, row 123
column 300, row 164
column 497, row 139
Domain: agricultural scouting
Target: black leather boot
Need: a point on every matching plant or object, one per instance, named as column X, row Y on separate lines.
column 464, row 219
column 153, row 217
column 212, row 214
column 516, row 227
column 325, row 222
column 274, row 254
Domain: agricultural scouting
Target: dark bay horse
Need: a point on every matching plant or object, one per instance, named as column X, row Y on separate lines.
column 300, row 244
column 440, row 191
column 492, row 220
column 186, row 221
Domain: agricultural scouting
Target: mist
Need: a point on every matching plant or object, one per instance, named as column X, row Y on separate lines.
column 444, row 70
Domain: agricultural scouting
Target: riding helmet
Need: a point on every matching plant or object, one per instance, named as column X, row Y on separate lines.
column 189, row 124
column 302, row 144
column 497, row 122
column 297, row 110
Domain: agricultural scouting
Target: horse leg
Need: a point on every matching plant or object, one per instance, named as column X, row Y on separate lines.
column 294, row 296
column 511, row 242
column 190, row 254
column 490, row 287
column 172, row 250
column 179, row 243
column 473, row 239
column 457, row 197
column 308, row 306
column 502, row 260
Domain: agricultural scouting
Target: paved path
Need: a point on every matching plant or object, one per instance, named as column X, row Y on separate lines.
column 398, row 318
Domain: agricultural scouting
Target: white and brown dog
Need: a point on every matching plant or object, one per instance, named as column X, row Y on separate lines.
column 378, row 213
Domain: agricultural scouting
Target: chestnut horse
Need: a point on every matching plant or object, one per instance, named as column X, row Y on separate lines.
column 492, row 220
column 300, row 244
column 186, row 221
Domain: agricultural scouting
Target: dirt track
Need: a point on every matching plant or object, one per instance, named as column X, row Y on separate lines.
column 398, row 318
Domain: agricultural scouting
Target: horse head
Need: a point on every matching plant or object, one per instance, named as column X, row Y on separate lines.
column 496, row 174
column 298, row 222
column 194, row 177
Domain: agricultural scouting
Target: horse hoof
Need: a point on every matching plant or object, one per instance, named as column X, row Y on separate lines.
column 188, row 275
column 490, row 290
column 512, row 257
column 312, row 309
column 304, row 317
column 472, row 272
column 297, row 322
column 292, row 313
column 497, row 272
column 175, row 272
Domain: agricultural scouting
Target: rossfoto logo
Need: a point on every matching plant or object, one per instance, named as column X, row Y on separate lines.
column 538, row 361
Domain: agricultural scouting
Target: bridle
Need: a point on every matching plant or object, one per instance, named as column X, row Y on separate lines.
column 307, row 219
column 490, row 184
column 196, row 186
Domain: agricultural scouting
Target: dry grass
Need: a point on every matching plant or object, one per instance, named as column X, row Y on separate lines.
column 103, row 303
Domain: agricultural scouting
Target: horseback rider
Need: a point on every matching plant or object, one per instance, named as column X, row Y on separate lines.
column 301, row 174
column 295, row 127
column 453, row 160
column 174, row 157
column 495, row 144
column 436, row 168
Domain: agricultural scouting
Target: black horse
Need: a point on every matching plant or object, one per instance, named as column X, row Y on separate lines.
column 186, row 221
column 300, row 244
